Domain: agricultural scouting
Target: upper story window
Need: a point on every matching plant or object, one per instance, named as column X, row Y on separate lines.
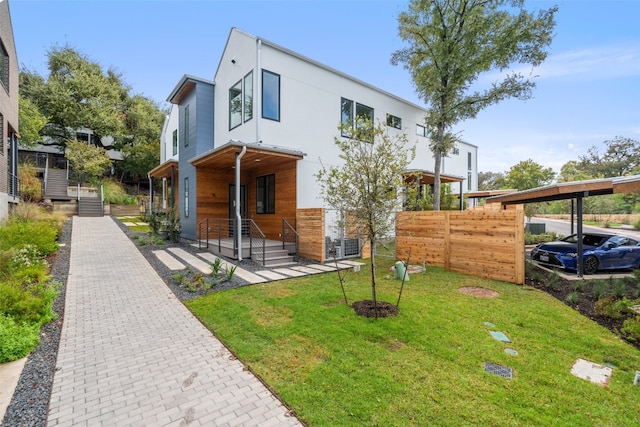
column 350, row 115
column 421, row 130
column 394, row 122
column 175, row 142
column 4, row 66
column 248, row 97
column 241, row 101
column 235, row 105
column 270, row 95
column 469, row 162
column 346, row 115
column 87, row 138
column 185, row 126
column 455, row 151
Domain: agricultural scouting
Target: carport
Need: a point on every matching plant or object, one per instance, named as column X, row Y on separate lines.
column 576, row 190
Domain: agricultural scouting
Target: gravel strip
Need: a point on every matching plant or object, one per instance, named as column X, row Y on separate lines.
column 30, row 401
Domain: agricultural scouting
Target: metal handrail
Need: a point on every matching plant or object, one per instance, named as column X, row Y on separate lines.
column 14, row 185
column 257, row 242
column 211, row 229
column 290, row 237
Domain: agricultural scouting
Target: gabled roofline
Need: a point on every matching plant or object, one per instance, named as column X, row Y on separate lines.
column 315, row 63
column 186, row 83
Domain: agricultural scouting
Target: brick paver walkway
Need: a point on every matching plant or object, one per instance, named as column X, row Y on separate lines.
column 132, row 354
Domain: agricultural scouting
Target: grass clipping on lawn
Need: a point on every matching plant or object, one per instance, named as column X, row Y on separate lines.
column 425, row 365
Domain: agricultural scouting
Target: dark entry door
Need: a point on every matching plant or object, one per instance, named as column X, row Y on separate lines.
column 232, row 207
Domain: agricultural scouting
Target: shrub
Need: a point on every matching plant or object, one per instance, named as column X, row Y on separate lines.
column 30, row 302
column 216, row 266
column 636, row 224
column 229, row 271
column 572, row 298
column 554, row 280
column 41, row 234
column 619, row 288
column 16, row 340
column 114, row 192
column 631, row 329
column 613, row 308
column 30, row 184
column 599, row 289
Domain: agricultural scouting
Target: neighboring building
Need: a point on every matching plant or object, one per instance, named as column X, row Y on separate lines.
column 9, row 183
column 263, row 128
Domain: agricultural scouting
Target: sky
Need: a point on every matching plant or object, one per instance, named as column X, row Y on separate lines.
column 587, row 91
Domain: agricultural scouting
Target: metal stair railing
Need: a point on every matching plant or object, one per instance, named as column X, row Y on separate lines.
column 290, row 237
column 258, row 242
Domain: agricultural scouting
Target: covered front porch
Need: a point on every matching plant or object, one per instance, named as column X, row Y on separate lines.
column 167, row 197
column 246, row 201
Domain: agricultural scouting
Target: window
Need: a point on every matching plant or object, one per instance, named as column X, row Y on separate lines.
column 185, row 126
column 469, row 167
column 175, row 142
column 394, row 122
column 248, row 97
column 455, row 151
column 4, row 66
column 266, row 194
column 363, row 113
column 270, row 95
column 421, row 130
column 235, row 105
column 186, row 197
column 2, row 134
column 346, row 115
column 350, row 116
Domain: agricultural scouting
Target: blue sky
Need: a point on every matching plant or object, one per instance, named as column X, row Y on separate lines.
column 588, row 90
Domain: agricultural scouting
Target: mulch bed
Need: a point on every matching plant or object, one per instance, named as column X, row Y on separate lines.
column 366, row 308
column 561, row 288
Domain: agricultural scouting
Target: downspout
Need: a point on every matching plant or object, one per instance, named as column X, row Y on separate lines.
column 258, row 87
column 150, row 194
column 238, row 216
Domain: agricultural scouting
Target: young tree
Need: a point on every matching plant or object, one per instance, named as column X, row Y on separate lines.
column 87, row 159
column 452, row 42
column 366, row 185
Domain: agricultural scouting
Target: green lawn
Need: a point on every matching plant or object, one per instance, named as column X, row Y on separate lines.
column 425, row 366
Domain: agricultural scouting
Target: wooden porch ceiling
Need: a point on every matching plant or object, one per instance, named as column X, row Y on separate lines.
column 256, row 156
column 571, row 190
column 428, row 177
column 164, row 170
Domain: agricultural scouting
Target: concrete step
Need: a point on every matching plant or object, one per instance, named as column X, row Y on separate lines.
column 90, row 207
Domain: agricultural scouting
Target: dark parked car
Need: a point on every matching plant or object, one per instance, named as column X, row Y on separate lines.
column 601, row 251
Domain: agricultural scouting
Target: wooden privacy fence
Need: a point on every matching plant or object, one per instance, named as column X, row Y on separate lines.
column 485, row 241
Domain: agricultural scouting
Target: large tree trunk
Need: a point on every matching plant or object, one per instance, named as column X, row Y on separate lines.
column 437, row 153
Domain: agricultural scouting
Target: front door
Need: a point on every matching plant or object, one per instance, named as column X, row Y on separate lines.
column 232, row 207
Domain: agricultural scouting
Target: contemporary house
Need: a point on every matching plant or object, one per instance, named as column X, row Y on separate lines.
column 9, row 183
column 248, row 144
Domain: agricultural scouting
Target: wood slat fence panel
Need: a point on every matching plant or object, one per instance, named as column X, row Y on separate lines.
column 486, row 242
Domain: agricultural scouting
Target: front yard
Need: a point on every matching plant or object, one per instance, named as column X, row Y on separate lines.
column 425, row 366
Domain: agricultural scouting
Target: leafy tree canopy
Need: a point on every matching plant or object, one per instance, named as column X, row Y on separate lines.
column 78, row 94
column 622, row 157
column 452, row 42
column 490, row 181
column 528, row 174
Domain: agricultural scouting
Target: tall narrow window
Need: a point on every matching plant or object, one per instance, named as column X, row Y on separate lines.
column 248, row 96
column 175, row 142
column 186, row 197
column 470, row 170
column 2, row 133
column 421, row 130
column 270, row 95
column 346, row 115
column 185, row 126
column 235, row 105
column 4, row 66
column 266, row 194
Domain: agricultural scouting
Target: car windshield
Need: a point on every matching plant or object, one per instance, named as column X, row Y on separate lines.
column 587, row 239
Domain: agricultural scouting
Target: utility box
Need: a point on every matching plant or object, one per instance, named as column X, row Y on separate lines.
column 534, row 228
